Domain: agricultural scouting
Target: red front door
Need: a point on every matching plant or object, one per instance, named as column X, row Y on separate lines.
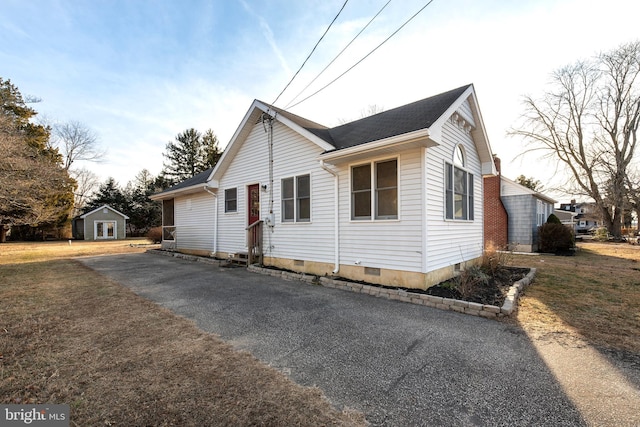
column 253, row 203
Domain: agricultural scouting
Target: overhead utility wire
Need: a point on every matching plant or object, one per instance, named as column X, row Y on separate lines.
column 338, row 55
column 311, row 53
column 364, row 57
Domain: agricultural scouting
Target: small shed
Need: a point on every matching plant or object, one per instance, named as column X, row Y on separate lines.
column 103, row 223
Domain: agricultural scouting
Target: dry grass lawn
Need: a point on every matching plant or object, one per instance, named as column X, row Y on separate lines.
column 594, row 295
column 68, row 335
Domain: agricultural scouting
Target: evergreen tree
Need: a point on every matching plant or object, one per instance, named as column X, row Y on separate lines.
column 531, row 183
column 190, row 154
column 110, row 194
column 211, row 149
column 144, row 212
column 36, row 193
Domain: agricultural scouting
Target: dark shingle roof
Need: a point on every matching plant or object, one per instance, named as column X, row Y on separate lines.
column 200, row 178
column 408, row 118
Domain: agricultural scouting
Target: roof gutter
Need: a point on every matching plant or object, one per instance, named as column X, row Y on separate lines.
column 336, row 218
column 421, row 137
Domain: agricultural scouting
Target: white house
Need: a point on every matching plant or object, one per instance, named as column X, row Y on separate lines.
column 395, row 198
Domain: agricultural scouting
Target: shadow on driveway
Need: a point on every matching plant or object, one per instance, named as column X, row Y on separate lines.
column 400, row 364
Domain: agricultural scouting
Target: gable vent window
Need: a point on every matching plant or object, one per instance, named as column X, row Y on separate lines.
column 459, row 199
column 374, row 188
column 296, row 199
column 231, row 200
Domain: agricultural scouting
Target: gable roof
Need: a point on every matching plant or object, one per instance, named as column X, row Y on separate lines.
column 103, row 207
column 521, row 189
column 418, row 124
column 190, row 185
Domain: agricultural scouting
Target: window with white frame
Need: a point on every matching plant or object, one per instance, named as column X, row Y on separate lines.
column 459, row 198
column 374, row 189
column 540, row 211
column 296, row 199
column 231, row 200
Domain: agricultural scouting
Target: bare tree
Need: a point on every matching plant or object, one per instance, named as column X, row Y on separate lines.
column 87, row 183
column 588, row 121
column 77, row 142
column 370, row 110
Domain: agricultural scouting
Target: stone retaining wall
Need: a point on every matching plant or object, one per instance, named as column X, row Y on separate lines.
column 483, row 310
column 472, row 308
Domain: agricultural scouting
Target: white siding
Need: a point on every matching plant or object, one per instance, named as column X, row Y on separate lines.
column 467, row 112
column 293, row 155
column 449, row 241
column 194, row 219
column 392, row 244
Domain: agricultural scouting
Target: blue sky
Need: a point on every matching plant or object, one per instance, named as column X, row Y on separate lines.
column 139, row 72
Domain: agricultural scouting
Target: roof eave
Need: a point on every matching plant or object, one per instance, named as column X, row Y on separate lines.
column 83, row 216
column 166, row 195
column 419, row 138
column 245, row 127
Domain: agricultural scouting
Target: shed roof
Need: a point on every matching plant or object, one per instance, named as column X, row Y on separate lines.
column 103, row 207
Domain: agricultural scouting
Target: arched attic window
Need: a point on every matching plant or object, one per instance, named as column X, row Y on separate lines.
column 459, row 159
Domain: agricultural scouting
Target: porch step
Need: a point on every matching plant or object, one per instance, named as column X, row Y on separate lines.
column 240, row 258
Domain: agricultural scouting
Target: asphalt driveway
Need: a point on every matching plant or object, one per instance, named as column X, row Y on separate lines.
column 400, row 364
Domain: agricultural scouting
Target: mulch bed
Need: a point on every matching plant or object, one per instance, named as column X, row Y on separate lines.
column 493, row 293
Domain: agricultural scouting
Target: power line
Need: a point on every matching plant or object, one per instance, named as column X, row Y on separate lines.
column 311, row 53
column 364, row 57
column 338, row 55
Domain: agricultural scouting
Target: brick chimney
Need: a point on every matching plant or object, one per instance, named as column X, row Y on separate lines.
column 496, row 219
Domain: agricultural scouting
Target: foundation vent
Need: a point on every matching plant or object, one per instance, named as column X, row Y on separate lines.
column 298, row 262
column 370, row 271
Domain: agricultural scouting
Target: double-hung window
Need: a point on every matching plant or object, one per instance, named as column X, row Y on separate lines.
column 296, row 199
column 374, row 189
column 231, row 200
column 459, row 199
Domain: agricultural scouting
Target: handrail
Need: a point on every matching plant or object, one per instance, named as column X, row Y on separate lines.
column 255, row 224
column 254, row 242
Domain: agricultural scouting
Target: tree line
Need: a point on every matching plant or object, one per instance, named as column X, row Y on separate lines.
column 587, row 121
column 192, row 152
column 41, row 190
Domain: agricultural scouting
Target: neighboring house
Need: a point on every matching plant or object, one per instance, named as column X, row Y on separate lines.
column 394, row 198
column 567, row 218
column 103, row 223
column 586, row 217
column 523, row 209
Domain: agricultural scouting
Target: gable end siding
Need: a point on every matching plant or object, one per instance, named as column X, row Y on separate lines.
column 450, row 242
column 293, row 155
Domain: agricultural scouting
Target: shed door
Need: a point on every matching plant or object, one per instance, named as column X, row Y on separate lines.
column 104, row 230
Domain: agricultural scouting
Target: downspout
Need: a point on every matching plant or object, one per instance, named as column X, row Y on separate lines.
column 215, row 220
column 336, row 217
